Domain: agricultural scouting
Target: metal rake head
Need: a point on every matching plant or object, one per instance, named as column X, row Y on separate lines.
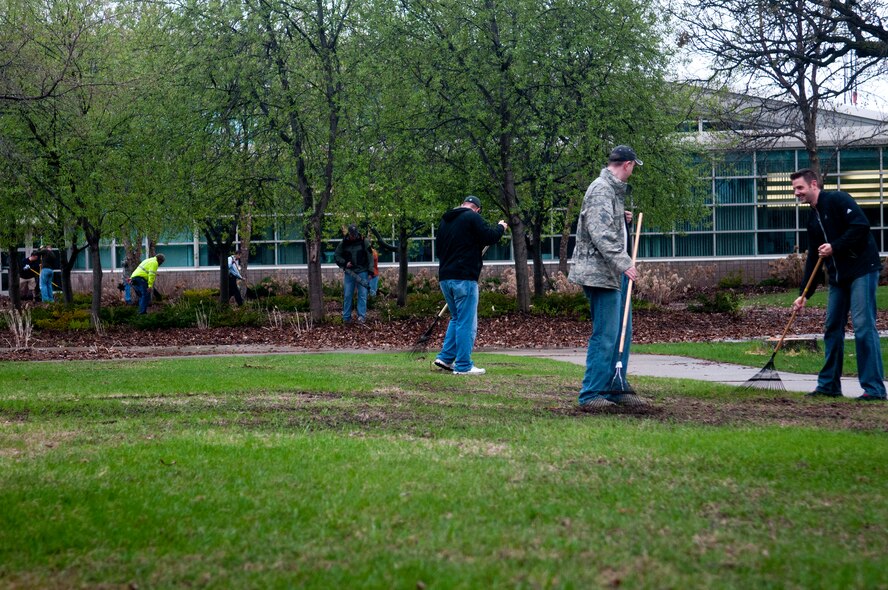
column 768, row 378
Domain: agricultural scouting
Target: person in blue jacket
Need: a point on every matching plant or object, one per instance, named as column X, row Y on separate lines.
column 839, row 232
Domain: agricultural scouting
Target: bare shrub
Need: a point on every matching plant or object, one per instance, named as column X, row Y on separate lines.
column 559, row 283
column 788, row 271
column 423, row 281
column 660, row 285
column 499, row 281
column 20, row 326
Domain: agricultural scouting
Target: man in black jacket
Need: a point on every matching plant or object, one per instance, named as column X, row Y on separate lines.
column 839, row 232
column 354, row 258
column 462, row 236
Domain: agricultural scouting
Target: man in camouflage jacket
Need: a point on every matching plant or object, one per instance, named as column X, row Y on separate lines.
column 603, row 267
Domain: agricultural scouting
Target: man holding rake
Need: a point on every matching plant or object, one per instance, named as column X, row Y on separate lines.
column 603, row 267
column 839, row 232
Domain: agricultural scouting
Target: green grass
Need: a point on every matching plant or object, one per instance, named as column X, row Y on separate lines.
column 757, row 353
column 786, row 298
column 372, row 471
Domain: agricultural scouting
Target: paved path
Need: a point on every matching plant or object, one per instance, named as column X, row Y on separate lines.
column 654, row 365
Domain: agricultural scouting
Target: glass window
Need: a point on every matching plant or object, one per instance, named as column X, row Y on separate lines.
column 419, row 250
column 859, row 159
column 81, row 262
column 105, row 257
column 262, row 254
column 776, row 188
column 734, row 164
column 734, row 244
column 653, row 246
column 733, row 218
column 777, row 242
column 293, row 253
column 176, row 238
column 177, row 255
column 828, row 159
column 777, row 217
column 291, row 228
column 694, row 245
column 778, row 161
column 734, row 190
column 263, row 229
column 571, row 242
column 873, row 214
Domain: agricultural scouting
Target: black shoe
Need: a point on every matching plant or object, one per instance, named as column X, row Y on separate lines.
column 599, row 402
column 868, row 397
column 816, row 393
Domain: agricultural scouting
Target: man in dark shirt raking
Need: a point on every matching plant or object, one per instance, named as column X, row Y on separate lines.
column 839, row 232
column 462, row 236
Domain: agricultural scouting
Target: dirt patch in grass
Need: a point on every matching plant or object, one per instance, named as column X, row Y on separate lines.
column 778, row 411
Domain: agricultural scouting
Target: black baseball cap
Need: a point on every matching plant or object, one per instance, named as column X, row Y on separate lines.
column 624, row 153
column 473, row 200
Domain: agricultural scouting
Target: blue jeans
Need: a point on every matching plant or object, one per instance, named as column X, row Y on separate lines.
column 462, row 300
column 858, row 299
column 606, row 307
column 374, row 286
column 127, row 292
column 140, row 285
column 46, row 293
column 349, row 284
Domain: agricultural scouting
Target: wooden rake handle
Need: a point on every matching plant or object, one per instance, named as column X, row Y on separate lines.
column 795, row 311
column 631, row 282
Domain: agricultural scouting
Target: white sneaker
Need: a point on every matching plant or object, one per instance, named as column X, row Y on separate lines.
column 472, row 371
column 443, row 366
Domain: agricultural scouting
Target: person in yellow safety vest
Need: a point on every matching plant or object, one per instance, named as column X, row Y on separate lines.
column 142, row 280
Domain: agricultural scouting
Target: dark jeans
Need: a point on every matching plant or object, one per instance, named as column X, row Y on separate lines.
column 141, row 287
column 234, row 290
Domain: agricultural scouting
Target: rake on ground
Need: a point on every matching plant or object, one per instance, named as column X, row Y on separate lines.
column 768, row 377
column 618, row 384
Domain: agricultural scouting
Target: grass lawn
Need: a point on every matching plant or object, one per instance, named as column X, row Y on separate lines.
column 757, row 353
column 341, row 471
column 817, row 300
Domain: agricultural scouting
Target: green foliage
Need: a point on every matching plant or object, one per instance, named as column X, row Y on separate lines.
column 285, row 302
column 66, row 319
column 199, row 295
column 733, row 280
column 573, row 305
column 773, row 282
column 720, row 302
column 118, row 314
column 492, row 304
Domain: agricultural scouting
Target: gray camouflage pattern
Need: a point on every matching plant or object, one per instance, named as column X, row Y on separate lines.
column 600, row 257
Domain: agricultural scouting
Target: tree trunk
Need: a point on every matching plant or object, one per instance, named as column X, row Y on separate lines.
column 15, row 296
column 315, row 277
column 95, row 261
column 224, row 295
column 565, row 236
column 246, row 231
column 67, row 259
column 539, row 287
column 403, row 267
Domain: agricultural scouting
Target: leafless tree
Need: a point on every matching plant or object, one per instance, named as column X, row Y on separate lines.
column 787, row 60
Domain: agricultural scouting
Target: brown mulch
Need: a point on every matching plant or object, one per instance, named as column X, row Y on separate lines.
column 513, row 331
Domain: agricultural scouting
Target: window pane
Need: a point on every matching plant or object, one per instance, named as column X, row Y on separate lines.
column 693, row 245
column 734, row 190
column 859, row 159
column 734, row 244
column 776, row 161
column 177, row 255
column 263, row 229
column 261, row 254
column 176, row 237
column 777, row 217
column 655, row 246
column 728, row 218
column 776, row 242
column 291, row 228
column 776, row 188
column 734, row 164
column 292, row 253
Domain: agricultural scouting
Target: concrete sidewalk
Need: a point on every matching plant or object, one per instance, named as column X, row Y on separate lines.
column 677, row 367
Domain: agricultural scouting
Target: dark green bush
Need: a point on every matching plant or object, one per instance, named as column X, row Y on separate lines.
column 733, row 280
column 118, row 314
column 63, row 318
column 773, row 282
column 418, row 305
column 198, row 295
column 491, row 305
column 561, row 304
column 721, row 302
column 284, row 303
